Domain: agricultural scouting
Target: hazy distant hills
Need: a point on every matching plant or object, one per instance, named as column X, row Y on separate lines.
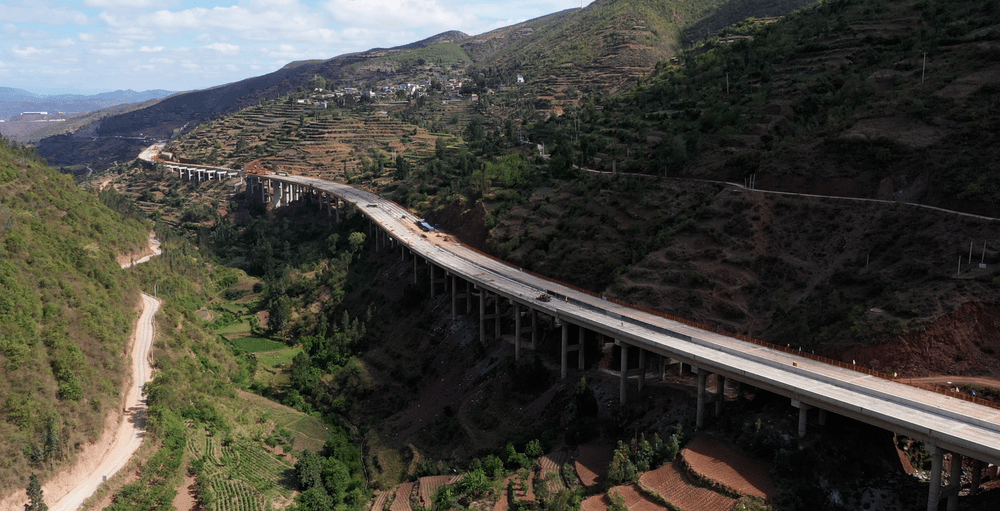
column 15, row 101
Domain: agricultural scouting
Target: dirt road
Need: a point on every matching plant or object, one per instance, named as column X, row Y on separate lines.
column 122, row 435
column 123, row 431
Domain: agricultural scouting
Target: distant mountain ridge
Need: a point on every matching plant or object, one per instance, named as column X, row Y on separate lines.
column 599, row 49
column 15, row 101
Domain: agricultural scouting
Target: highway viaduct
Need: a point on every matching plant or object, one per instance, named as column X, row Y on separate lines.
column 943, row 423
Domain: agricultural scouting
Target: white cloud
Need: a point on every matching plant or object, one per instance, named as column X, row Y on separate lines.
column 128, row 4
column 223, row 47
column 394, row 16
column 28, row 52
column 64, row 43
column 34, row 34
column 44, row 12
column 203, row 38
column 154, row 49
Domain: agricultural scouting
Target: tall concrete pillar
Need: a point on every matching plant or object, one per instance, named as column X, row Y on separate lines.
column 680, row 368
column 468, row 297
column 955, row 481
column 517, row 330
column 623, row 383
column 454, row 297
column 977, row 476
column 482, row 316
column 534, row 330
column 720, row 393
column 564, row 351
column 430, row 267
column 496, row 318
column 402, row 252
column 803, row 415
column 934, row 493
column 699, row 419
column 579, row 354
column 415, row 274
column 642, row 369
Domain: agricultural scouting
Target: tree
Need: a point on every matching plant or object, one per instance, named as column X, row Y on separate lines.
column 622, row 470
column 35, row 502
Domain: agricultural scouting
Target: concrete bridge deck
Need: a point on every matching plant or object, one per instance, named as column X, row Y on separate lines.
column 942, row 422
column 948, row 423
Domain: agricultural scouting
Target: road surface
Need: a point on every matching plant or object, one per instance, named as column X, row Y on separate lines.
column 67, row 490
column 953, row 424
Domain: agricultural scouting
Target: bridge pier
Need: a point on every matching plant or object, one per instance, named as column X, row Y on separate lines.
column 934, row 493
column 803, row 416
column 415, row 274
column 482, row 316
column 564, row 352
column 699, row 419
column 454, row 298
column 623, row 382
column 977, row 476
column 720, row 393
column 954, row 481
column 517, row 330
column 534, row 330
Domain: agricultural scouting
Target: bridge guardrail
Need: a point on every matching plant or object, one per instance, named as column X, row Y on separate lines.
column 785, row 349
column 746, row 338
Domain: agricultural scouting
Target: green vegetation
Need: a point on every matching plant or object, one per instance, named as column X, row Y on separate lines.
column 66, row 310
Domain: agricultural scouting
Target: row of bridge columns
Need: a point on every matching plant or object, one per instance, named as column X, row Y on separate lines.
column 199, row 174
column 278, row 193
column 526, row 322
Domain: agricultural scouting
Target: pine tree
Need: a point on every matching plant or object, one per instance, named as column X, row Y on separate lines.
column 35, row 502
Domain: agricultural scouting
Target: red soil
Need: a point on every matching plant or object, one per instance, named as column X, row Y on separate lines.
column 722, row 462
column 402, row 501
column 634, row 500
column 668, row 482
column 427, row 486
column 592, row 463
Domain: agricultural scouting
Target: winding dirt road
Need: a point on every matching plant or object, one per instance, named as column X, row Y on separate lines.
column 123, row 432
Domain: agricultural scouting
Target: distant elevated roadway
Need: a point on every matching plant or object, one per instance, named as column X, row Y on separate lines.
column 944, row 423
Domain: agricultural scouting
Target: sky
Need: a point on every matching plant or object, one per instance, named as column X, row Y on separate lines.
column 91, row 46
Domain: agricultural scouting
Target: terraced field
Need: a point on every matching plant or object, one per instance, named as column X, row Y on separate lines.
column 307, row 139
column 241, row 471
column 668, row 482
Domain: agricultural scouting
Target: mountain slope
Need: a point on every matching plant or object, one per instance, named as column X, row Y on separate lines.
column 834, row 99
column 66, row 311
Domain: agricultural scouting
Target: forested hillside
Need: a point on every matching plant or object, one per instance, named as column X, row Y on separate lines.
column 865, row 98
column 66, row 313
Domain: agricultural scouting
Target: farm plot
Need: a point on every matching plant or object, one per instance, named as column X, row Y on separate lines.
column 592, row 463
column 634, row 500
column 669, row 483
column 427, row 486
column 402, row 500
column 552, row 464
column 257, row 344
column 248, row 477
column 718, row 461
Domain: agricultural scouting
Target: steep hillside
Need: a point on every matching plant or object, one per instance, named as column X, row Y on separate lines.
column 66, row 310
column 837, row 98
column 600, row 48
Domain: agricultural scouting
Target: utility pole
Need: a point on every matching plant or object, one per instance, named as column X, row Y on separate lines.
column 924, row 70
